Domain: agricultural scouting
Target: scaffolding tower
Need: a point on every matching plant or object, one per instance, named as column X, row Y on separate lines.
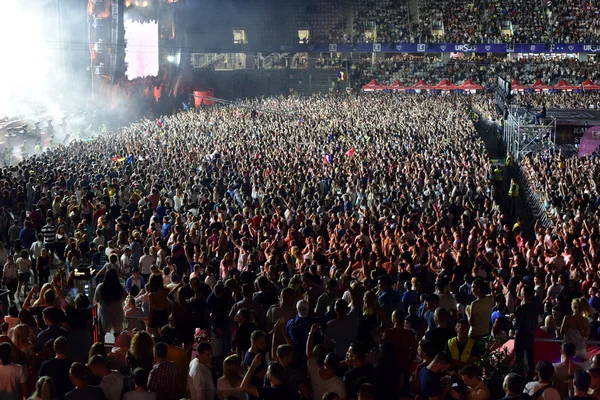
column 522, row 135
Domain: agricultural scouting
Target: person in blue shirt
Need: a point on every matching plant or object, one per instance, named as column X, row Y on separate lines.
column 595, row 298
column 389, row 299
column 411, row 296
column 166, row 227
column 27, row 236
column 135, row 283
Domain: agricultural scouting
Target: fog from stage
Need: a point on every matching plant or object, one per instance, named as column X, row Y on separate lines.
column 34, row 43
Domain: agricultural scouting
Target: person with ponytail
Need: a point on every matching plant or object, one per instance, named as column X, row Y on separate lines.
column 576, row 328
column 44, row 389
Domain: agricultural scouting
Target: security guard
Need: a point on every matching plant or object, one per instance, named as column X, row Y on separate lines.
column 462, row 348
column 513, row 195
column 498, row 174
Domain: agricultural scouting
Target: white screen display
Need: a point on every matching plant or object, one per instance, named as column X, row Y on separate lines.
column 141, row 53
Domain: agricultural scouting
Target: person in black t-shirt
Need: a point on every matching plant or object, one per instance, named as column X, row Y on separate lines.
column 58, row 368
column 275, row 375
column 359, row 372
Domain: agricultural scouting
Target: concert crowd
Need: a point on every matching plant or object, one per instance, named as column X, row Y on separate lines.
column 324, row 247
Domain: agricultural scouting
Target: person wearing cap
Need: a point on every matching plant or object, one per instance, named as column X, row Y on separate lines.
column 135, row 282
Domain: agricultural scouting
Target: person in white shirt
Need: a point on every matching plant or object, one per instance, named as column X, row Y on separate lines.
column 542, row 388
column 146, row 262
column 323, row 379
column 111, row 382
column 200, row 382
column 13, row 377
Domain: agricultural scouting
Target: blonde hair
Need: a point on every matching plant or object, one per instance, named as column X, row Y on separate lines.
column 20, row 336
column 45, row 389
column 231, row 370
column 371, row 303
column 581, row 305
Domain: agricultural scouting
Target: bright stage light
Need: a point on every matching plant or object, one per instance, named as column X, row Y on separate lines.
column 30, row 62
column 170, row 58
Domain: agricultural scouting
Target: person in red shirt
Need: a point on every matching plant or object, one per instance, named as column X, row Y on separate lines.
column 404, row 340
column 99, row 212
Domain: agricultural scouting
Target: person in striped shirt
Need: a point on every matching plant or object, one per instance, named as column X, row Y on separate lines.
column 49, row 234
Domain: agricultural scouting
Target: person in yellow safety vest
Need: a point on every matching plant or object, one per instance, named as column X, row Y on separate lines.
column 509, row 165
column 509, row 160
column 498, row 174
column 462, row 348
column 513, row 195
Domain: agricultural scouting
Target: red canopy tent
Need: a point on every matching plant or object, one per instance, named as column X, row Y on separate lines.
column 564, row 85
column 445, row 85
column 539, row 85
column 516, row 85
column 421, row 85
column 470, row 85
column 397, row 85
column 589, row 85
column 374, row 85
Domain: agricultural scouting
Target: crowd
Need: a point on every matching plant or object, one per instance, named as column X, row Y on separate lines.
column 324, row 247
column 497, row 21
column 389, row 18
column 409, row 69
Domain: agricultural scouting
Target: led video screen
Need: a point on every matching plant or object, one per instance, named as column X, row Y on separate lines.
column 141, row 52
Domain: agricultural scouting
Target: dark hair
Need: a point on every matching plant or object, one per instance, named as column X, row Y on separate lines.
column 330, row 396
column 257, row 335
column 98, row 361
column 54, row 315
column 366, row 391
column 276, row 370
column 443, row 358
column 77, row 371
column 111, row 289
column 168, row 334
column 283, row 350
column 160, row 350
column 139, row 377
column 5, row 353
column 528, row 291
column 247, row 290
column 568, row 349
column 479, row 283
column 203, row 347
column 359, row 350
column 27, row 318
column 60, row 345
column 428, row 347
column 514, row 383
column 432, row 298
column 583, row 380
column 545, row 370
